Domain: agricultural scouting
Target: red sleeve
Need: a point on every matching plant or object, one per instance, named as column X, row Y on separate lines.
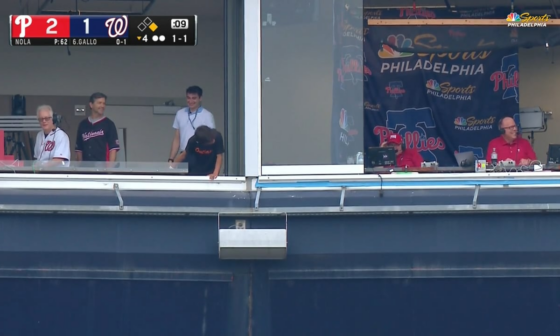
column 417, row 159
column 529, row 152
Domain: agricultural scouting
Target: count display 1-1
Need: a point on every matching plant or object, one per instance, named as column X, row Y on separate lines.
column 102, row 30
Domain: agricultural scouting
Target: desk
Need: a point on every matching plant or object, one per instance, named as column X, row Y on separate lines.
column 122, row 168
column 431, row 170
column 436, row 170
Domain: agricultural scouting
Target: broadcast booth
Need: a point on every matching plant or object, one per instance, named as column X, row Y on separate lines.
column 443, row 85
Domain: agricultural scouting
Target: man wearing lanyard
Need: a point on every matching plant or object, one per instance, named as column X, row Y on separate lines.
column 188, row 119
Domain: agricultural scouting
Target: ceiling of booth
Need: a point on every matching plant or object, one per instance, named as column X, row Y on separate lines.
column 459, row 3
column 207, row 9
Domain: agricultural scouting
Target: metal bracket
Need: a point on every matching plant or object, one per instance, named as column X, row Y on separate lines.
column 475, row 197
column 342, row 198
column 258, row 199
column 230, row 214
column 118, row 192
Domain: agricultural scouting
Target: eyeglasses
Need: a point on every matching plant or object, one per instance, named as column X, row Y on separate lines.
column 44, row 119
column 510, row 127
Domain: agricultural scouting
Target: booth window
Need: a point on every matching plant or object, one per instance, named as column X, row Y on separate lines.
column 312, row 89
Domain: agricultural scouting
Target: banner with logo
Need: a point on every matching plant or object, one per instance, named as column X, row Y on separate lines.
column 353, row 75
column 439, row 103
column 429, row 39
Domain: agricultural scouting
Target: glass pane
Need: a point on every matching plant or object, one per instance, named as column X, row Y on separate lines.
column 312, row 88
column 145, row 85
column 66, row 167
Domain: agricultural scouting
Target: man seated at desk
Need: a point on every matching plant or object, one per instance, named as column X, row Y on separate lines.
column 510, row 146
column 406, row 157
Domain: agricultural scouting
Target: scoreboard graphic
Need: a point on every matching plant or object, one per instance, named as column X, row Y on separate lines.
column 98, row 30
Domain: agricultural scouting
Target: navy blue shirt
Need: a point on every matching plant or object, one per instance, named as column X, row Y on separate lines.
column 96, row 139
column 202, row 157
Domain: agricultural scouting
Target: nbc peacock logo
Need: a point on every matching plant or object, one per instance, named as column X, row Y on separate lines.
column 432, row 84
column 460, row 121
column 513, row 17
column 399, row 41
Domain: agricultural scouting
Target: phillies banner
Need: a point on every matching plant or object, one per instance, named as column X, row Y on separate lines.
column 439, row 101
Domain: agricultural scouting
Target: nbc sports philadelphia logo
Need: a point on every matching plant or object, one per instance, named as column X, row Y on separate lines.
column 526, row 20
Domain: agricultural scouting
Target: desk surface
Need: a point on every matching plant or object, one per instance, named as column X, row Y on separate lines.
column 130, row 168
column 383, row 170
column 427, row 170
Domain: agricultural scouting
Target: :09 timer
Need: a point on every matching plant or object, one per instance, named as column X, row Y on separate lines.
column 181, row 39
column 179, row 24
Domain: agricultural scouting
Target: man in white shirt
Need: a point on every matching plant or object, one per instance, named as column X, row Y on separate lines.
column 52, row 145
column 188, row 119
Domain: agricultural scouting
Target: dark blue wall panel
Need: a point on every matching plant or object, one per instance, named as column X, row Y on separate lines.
column 420, row 307
column 119, row 308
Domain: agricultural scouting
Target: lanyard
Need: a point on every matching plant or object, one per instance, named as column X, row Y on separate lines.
column 195, row 115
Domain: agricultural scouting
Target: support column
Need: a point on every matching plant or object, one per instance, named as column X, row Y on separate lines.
column 260, row 310
column 238, row 317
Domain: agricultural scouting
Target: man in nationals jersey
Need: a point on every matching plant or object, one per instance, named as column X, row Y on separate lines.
column 52, row 146
column 97, row 138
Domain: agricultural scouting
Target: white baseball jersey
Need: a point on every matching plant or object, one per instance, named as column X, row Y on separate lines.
column 187, row 123
column 54, row 145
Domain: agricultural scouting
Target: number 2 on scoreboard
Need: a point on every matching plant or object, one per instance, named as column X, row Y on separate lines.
column 50, row 28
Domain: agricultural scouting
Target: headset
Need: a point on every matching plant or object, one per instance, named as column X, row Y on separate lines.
column 502, row 131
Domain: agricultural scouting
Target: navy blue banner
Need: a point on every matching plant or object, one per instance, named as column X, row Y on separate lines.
column 440, row 102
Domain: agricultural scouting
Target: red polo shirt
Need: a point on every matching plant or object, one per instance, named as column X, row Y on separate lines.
column 518, row 150
column 409, row 158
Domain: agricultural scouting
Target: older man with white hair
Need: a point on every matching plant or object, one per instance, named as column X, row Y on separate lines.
column 52, row 144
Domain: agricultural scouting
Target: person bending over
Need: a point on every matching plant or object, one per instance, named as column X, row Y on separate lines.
column 204, row 153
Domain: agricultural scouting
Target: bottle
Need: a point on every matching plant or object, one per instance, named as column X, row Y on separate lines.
column 360, row 158
column 494, row 157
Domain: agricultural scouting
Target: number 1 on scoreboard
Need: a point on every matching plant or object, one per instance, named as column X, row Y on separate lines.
column 86, row 22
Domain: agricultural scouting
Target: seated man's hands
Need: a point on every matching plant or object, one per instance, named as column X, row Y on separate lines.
column 525, row 162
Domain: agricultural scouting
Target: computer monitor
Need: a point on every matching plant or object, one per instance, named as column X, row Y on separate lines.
column 553, row 154
column 465, row 159
column 382, row 156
